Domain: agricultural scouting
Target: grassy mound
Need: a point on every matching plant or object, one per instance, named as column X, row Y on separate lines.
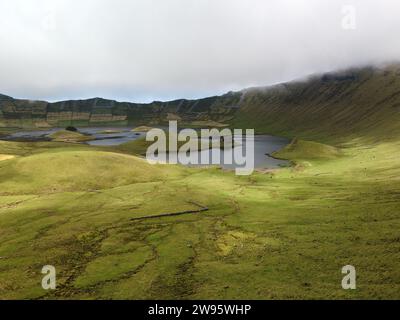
column 69, row 136
column 140, row 146
column 307, row 150
column 110, row 131
column 142, row 129
column 207, row 124
column 77, row 170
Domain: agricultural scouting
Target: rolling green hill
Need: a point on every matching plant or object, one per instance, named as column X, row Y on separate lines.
column 69, row 136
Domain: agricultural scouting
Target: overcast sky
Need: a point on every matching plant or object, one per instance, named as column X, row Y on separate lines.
column 143, row 50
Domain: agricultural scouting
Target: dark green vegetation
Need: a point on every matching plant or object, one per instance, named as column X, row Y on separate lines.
column 280, row 234
column 331, row 108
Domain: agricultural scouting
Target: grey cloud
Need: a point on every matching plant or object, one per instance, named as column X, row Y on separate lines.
column 163, row 49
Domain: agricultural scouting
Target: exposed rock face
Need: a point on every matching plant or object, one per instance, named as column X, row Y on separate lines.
column 97, row 111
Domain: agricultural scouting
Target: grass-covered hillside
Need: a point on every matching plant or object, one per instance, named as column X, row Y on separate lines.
column 117, row 227
column 349, row 104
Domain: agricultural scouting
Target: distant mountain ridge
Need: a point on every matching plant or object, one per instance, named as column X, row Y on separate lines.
column 98, row 111
column 350, row 102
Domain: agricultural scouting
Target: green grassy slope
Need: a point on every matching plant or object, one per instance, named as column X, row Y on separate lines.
column 357, row 103
column 282, row 234
column 51, row 172
column 300, row 149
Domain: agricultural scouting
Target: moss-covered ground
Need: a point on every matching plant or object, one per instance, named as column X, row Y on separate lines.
column 282, row 234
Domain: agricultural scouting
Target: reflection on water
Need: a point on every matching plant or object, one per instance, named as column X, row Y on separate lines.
column 117, row 137
column 263, row 144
